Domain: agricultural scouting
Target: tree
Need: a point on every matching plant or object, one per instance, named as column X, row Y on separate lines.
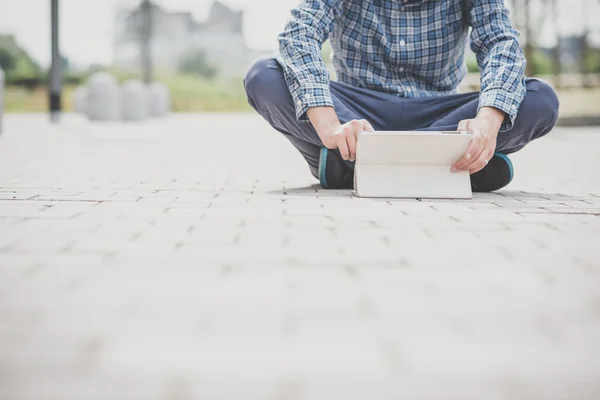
column 9, row 52
column 196, row 62
column 8, row 60
column 585, row 61
column 529, row 17
column 20, row 68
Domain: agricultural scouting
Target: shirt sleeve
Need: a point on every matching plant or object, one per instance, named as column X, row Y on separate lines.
column 300, row 44
column 499, row 56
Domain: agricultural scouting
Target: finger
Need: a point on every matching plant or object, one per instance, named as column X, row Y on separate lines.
column 476, row 155
column 481, row 162
column 474, row 148
column 342, row 146
column 351, row 141
column 477, row 165
column 367, row 127
column 489, row 154
column 471, row 154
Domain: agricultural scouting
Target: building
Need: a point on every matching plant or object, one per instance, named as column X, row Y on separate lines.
column 174, row 34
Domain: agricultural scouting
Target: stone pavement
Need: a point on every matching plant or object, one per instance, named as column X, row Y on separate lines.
column 195, row 258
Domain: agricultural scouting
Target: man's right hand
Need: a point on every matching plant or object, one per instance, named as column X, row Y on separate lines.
column 345, row 137
column 335, row 135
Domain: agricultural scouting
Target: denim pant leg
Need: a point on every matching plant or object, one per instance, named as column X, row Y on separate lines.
column 269, row 95
column 537, row 116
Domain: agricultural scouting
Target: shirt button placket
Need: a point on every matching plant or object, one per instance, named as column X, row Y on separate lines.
column 402, row 44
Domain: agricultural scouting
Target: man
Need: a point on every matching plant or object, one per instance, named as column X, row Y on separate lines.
column 399, row 64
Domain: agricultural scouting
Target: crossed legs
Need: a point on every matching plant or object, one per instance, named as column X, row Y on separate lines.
column 269, row 95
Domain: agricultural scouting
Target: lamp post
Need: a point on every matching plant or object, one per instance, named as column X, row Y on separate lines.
column 556, row 64
column 146, row 40
column 56, row 65
column 1, row 96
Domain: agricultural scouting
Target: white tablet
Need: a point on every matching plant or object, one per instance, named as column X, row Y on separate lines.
column 413, row 164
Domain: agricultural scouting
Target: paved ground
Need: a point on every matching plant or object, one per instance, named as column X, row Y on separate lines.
column 194, row 258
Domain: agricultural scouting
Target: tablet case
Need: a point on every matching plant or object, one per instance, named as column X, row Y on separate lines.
column 411, row 165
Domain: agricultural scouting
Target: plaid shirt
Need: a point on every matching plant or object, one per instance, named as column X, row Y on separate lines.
column 409, row 48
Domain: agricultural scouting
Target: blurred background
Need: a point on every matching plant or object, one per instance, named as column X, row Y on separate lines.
column 201, row 48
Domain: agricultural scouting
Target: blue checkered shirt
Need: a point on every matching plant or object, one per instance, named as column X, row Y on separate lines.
column 410, row 48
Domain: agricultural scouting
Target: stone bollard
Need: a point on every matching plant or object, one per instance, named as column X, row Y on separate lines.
column 161, row 100
column 1, row 97
column 135, row 101
column 80, row 100
column 103, row 98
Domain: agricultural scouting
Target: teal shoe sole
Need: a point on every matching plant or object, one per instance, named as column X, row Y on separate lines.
column 510, row 164
column 497, row 174
column 323, row 167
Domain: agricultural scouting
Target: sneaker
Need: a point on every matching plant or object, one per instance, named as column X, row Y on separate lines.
column 497, row 174
column 333, row 171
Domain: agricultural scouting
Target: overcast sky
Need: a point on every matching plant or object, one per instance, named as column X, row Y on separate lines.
column 87, row 25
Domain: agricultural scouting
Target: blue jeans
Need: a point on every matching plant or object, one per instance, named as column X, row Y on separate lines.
column 269, row 95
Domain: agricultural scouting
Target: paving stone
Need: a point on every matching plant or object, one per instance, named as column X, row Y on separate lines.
column 160, row 261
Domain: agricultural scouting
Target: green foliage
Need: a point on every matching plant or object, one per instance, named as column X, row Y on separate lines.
column 327, row 56
column 119, row 74
column 196, row 62
column 80, row 77
column 24, row 70
column 74, row 78
column 194, row 94
column 472, row 66
column 8, row 60
column 20, row 68
column 189, row 94
column 9, row 52
column 593, row 62
column 540, row 64
column 327, row 52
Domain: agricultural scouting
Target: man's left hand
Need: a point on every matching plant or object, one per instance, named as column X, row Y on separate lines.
column 484, row 129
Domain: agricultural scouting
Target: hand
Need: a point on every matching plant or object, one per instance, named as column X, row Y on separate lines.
column 484, row 130
column 333, row 134
column 345, row 137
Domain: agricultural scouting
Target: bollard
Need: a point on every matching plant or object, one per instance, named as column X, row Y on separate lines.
column 135, row 100
column 103, row 98
column 161, row 99
column 1, row 97
column 80, row 100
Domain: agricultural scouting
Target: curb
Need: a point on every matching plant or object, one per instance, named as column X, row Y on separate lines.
column 579, row 121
